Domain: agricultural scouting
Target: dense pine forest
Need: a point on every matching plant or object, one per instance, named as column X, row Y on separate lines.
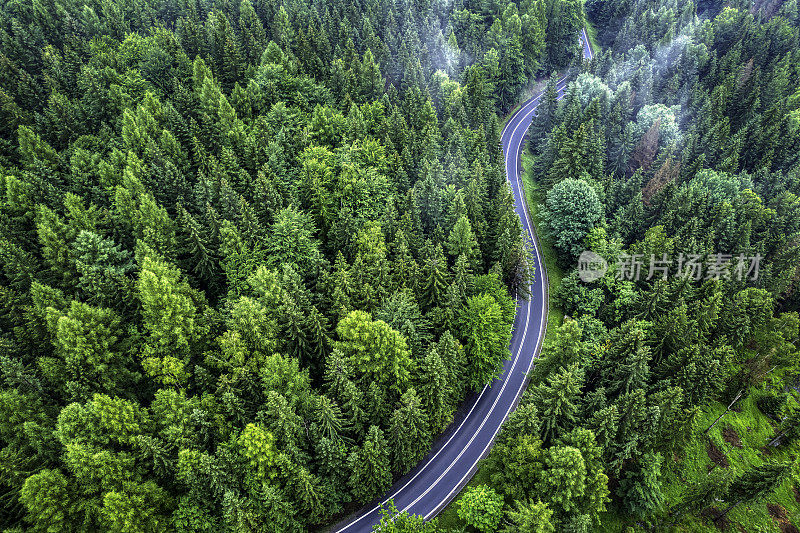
column 253, row 254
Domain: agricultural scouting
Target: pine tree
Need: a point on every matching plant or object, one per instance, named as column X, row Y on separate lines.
column 544, row 118
column 461, row 241
column 409, row 434
column 370, row 466
column 434, row 278
column 92, row 344
column 558, row 400
column 641, row 488
column 435, row 391
column 565, row 480
column 171, row 319
column 757, row 482
column 626, row 362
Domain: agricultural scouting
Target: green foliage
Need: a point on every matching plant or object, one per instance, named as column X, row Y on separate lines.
column 557, row 400
column 758, row 482
column 572, row 210
column 257, row 447
column 487, row 333
column 641, row 489
column 409, row 437
column 481, row 507
column 225, row 200
column 530, row 517
column 369, row 466
column 45, row 496
column 253, row 256
column 170, row 316
column 393, row 521
column 376, row 351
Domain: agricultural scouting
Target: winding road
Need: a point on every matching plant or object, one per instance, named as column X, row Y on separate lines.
column 428, row 488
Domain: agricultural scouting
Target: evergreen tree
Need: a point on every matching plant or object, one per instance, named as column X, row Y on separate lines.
column 757, row 482
column 409, row 436
column 641, row 488
column 558, row 400
column 370, row 466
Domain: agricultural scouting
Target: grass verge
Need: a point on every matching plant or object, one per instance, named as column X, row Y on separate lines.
column 591, row 33
column 534, row 198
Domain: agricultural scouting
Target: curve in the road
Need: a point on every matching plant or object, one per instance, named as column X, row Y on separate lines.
column 428, row 488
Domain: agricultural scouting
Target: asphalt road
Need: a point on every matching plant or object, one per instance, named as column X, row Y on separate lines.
column 428, row 488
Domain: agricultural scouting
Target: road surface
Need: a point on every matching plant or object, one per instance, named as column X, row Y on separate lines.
column 428, row 488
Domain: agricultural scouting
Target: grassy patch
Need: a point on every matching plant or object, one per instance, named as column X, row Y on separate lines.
column 753, row 430
column 534, row 197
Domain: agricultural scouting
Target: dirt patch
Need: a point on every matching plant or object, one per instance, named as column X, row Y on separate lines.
column 716, row 455
column 712, row 516
column 796, row 493
column 779, row 514
column 731, row 437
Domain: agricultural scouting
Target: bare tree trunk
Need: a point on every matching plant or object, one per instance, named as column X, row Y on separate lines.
column 730, row 406
column 774, row 442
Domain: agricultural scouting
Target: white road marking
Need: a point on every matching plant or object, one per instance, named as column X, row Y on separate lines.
column 527, row 321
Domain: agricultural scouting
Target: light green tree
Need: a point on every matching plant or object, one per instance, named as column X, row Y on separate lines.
column 394, row 521
column 171, row 319
column 481, row 507
column 257, row 447
column 376, row 351
column 486, row 335
column 529, row 517
column 572, row 209
column 564, row 483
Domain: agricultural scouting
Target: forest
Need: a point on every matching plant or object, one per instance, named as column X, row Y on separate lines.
column 254, row 256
